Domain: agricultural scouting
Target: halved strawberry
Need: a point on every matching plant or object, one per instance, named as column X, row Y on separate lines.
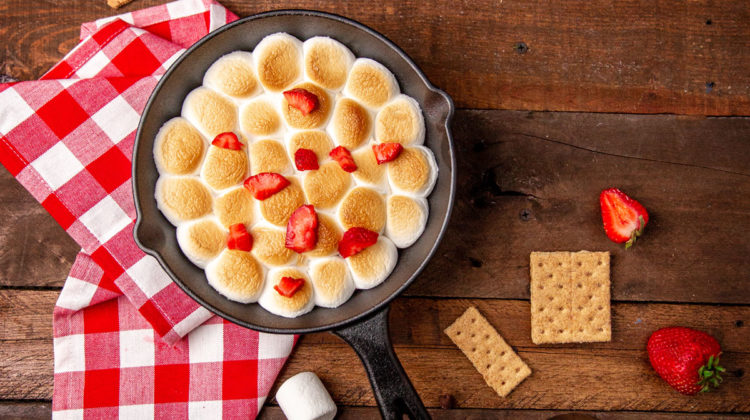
column 355, row 240
column 265, row 184
column 386, row 152
column 302, row 229
column 623, row 217
column 239, row 238
column 305, row 160
column 227, row 140
column 341, row 155
column 288, row 286
column 301, row 99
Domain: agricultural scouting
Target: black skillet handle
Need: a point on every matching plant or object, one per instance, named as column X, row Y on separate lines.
column 393, row 390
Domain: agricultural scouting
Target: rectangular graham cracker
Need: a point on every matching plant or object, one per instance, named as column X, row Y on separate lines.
column 500, row 366
column 570, row 297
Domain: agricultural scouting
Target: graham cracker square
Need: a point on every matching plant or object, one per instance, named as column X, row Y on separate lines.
column 570, row 300
column 500, row 366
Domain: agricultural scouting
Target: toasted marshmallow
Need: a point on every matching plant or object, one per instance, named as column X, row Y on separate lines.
column 315, row 140
column 277, row 59
column 233, row 75
column 259, row 118
column 368, row 171
column 178, row 147
column 371, row 83
column 224, row 168
column 400, row 121
column 374, row 264
column 268, row 245
column 235, row 206
column 363, row 207
column 327, row 62
column 350, row 124
column 329, row 235
column 314, row 119
column 331, row 281
column 201, row 241
column 290, row 307
column 413, row 172
column 277, row 208
column 236, row 275
column 182, row 198
column 268, row 156
column 326, row 186
column 212, row 113
column 406, row 219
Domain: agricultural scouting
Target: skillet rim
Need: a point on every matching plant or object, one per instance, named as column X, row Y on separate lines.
column 372, row 309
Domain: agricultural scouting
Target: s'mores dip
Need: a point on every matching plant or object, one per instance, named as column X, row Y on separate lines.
column 294, row 174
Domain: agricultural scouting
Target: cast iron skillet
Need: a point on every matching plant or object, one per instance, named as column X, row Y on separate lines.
column 363, row 320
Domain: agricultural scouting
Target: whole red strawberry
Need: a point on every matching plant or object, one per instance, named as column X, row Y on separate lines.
column 687, row 359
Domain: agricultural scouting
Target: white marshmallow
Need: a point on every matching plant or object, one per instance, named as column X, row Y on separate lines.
column 374, row 264
column 331, row 281
column 303, row 397
column 405, row 222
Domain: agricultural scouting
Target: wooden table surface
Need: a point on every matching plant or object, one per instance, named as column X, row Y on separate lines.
column 556, row 101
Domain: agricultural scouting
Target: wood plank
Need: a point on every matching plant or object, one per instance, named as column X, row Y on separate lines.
column 357, row 413
column 531, row 182
column 582, row 56
column 11, row 411
column 34, row 250
column 551, row 166
column 27, row 411
column 437, row 367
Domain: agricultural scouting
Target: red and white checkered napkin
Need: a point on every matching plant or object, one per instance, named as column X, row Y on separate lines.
column 120, row 321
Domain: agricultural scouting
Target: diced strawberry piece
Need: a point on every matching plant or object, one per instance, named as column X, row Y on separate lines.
column 239, row 238
column 386, row 152
column 288, row 286
column 304, row 100
column 227, row 140
column 341, row 155
column 302, row 229
column 305, row 160
column 265, row 184
column 355, row 240
column 623, row 217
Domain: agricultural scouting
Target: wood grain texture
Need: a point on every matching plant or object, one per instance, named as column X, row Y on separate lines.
column 634, row 56
column 436, row 367
column 34, row 250
column 33, row 411
column 531, row 182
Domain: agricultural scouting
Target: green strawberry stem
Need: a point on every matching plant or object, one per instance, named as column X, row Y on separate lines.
column 636, row 233
column 710, row 374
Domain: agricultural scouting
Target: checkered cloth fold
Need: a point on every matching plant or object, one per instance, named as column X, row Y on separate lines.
column 119, row 322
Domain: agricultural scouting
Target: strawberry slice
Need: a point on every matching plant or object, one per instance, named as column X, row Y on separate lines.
column 355, row 240
column 344, row 158
column 386, row 152
column 302, row 229
column 239, row 238
column 305, row 160
column 227, row 140
column 288, row 286
column 304, row 100
column 265, row 184
column 623, row 217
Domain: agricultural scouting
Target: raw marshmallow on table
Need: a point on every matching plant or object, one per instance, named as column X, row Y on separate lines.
column 303, row 397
